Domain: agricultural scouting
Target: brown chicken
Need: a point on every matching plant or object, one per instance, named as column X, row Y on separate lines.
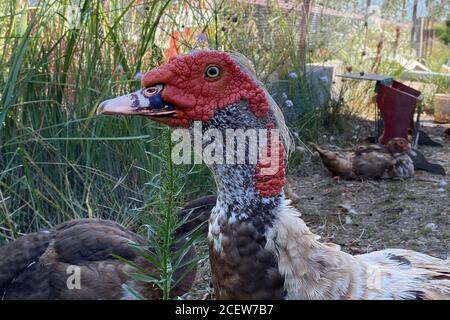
column 375, row 161
column 39, row 265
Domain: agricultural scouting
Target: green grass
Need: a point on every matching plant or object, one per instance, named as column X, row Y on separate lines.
column 439, row 56
column 58, row 161
column 443, row 32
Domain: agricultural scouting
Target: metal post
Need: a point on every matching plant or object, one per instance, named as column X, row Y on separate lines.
column 414, row 18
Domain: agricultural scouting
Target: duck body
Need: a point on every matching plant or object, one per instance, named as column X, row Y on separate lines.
column 259, row 246
column 375, row 161
column 285, row 260
column 52, row 256
column 42, row 265
column 316, row 270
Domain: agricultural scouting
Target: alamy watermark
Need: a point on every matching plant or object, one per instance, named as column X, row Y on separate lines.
column 73, row 281
column 231, row 146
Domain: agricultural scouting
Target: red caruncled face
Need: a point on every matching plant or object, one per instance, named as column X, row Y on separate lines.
column 198, row 84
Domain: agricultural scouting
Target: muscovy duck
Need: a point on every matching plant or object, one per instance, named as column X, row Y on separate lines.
column 259, row 246
column 374, row 161
column 40, row 265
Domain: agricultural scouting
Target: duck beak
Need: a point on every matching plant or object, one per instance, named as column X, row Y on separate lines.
column 145, row 102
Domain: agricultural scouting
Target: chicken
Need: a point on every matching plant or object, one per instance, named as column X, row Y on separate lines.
column 40, row 265
column 375, row 161
column 259, row 247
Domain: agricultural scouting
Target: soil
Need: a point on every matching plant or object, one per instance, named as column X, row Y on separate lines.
column 367, row 215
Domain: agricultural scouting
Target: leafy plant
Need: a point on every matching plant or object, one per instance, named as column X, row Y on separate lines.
column 443, row 32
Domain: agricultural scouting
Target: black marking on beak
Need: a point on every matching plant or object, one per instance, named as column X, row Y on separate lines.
column 144, row 102
column 155, row 100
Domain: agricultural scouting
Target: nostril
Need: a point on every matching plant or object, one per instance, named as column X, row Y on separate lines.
column 150, row 91
column 153, row 90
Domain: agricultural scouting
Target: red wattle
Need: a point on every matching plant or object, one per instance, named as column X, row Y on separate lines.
column 270, row 185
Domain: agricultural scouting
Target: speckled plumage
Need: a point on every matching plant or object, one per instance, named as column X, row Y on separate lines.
column 317, row 270
column 261, row 249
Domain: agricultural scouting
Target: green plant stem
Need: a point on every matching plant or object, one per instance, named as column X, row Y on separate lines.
column 168, row 221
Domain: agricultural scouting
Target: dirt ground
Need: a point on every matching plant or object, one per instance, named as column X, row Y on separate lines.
column 363, row 216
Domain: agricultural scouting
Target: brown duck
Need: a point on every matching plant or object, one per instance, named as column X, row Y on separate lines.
column 375, row 161
column 259, row 246
column 38, row 265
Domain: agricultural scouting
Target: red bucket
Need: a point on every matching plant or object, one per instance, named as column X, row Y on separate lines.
column 397, row 105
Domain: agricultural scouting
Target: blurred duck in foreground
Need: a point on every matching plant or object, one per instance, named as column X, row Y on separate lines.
column 42, row 265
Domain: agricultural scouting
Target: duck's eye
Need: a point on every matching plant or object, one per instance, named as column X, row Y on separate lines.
column 212, row 72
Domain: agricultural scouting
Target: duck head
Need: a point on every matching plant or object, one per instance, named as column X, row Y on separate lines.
column 219, row 90
column 398, row 145
column 191, row 87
